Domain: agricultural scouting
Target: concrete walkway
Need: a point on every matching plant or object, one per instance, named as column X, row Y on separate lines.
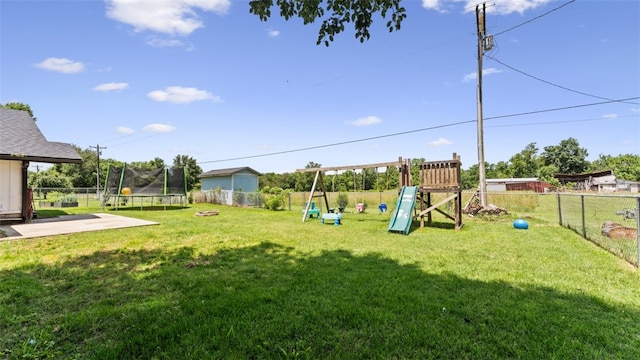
column 68, row 224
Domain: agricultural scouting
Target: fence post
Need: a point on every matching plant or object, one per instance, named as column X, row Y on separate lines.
column 584, row 228
column 289, row 197
column 638, row 229
column 559, row 210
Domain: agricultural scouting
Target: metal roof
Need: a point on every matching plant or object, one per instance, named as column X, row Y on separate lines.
column 21, row 139
column 511, row 180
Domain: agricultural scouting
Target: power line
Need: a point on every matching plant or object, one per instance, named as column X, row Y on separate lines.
column 412, row 131
column 338, row 143
column 535, row 18
column 553, row 84
column 560, row 122
column 561, row 108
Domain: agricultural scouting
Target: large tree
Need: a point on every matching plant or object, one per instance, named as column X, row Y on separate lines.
column 335, row 14
column 19, row 106
column 304, row 180
column 470, row 177
column 625, row 166
column 84, row 175
column 568, row 157
column 51, row 180
column 525, row 163
column 155, row 164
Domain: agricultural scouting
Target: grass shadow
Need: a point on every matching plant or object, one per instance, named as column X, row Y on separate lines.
column 42, row 213
column 267, row 301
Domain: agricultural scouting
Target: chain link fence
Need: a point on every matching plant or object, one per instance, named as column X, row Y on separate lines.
column 65, row 197
column 609, row 221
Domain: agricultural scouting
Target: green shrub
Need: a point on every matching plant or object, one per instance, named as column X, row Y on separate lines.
column 275, row 202
column 54, row 196
column 343, row 200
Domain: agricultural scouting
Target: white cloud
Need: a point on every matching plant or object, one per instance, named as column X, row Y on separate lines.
column 610, row 116
column 273, row 33
column 175, row 17
column 111, row 87
column 182, row 95
column 485, row 72
column 158, row 42
column 124, row 130
column 366, row 121
column 62, row 65
column 432, row 4
column 159, row 128
column 440, row 142
column 635, row 109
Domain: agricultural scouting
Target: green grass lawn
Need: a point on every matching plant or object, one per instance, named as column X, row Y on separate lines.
column 257, row 284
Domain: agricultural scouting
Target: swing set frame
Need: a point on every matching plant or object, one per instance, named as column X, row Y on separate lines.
column 404, row 166
column 442, row 176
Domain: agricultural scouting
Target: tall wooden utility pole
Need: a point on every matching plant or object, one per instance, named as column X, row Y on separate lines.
column 484, row 43
column 98, row 152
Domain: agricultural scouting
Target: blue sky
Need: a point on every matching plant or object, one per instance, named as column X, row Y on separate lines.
column 206, row 78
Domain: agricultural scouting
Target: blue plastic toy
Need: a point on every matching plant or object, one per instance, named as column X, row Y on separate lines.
column 329, row 218
column 521, row 224
column 313, row 210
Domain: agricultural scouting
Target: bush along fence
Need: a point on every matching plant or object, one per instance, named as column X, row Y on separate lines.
column 65, row 197
column 609, row 221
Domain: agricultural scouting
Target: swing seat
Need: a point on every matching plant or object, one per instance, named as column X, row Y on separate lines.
column 313, row 210
column 360, row 207
column 382, row 207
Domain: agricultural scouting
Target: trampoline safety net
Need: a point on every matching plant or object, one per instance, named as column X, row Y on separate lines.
column 158, row 182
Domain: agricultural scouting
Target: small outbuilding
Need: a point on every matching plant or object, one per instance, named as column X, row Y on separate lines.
column 243, row 179
column 518, row 184
column 600, row 181
column 21, row 142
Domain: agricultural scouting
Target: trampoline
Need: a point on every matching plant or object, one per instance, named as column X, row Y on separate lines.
column 131, row 187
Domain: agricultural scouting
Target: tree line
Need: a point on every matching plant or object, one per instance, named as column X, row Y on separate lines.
column 565, row 158
column 84, row 175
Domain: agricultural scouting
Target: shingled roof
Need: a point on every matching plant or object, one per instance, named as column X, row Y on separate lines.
column 20, row 139
column 227, row 172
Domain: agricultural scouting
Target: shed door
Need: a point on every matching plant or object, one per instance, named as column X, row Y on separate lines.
column 10, row 186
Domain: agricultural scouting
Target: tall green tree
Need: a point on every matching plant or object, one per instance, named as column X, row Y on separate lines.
column 19, row 106
column 626, row 167
column 415, row 170
column 525, row 163
column 155, row 164
column 500, row 170
column 545, row 173
column 567, row 156
column 335, row 14
column 304, row 181
column 470, row 177
column 84, row 175
column 51, row 180
column 192, row 170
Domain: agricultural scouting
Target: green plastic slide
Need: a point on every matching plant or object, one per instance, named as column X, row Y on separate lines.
column 403, row 213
